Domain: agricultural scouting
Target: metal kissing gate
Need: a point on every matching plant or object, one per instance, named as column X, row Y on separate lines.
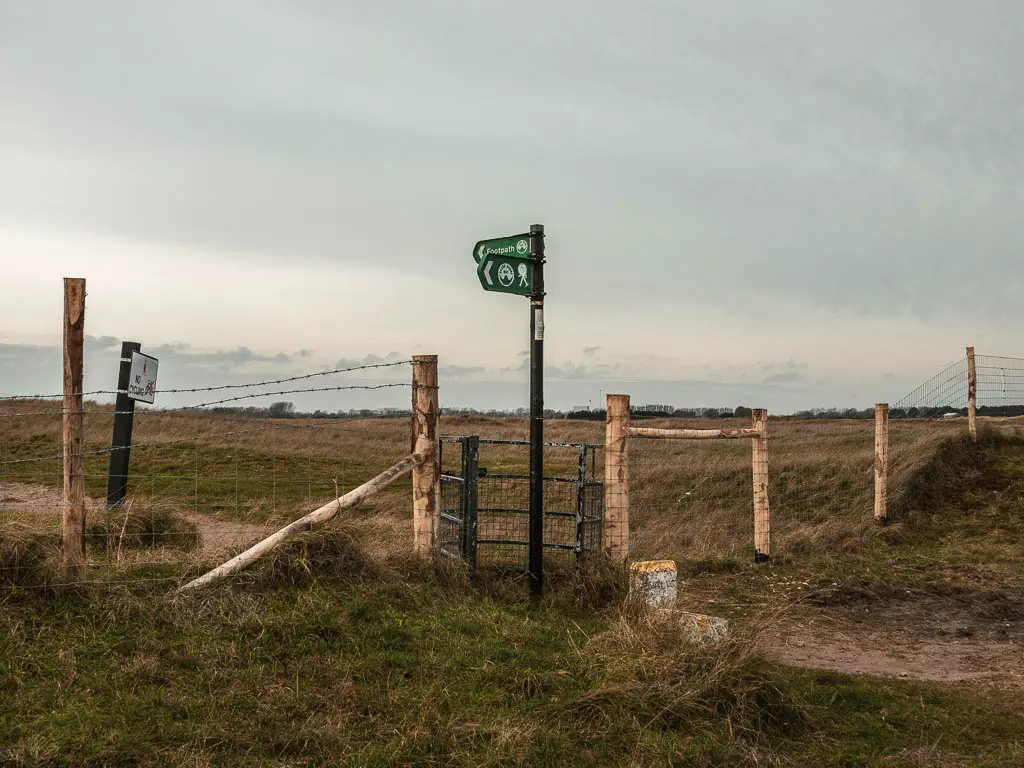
column 485, row 502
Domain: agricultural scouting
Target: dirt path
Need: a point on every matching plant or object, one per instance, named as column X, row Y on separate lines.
column 966, row 636
column 21, row 500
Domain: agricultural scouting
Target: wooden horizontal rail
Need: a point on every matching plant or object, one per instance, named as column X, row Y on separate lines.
column 323, row 514
column 692, row 434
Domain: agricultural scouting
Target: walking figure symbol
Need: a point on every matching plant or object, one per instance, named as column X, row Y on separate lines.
column 523, row 282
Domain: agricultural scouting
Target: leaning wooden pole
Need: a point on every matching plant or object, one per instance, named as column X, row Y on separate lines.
column 317, row 516
column 972, row 395
column 615, row 532
column 426, row 477
column 762, row 519
column 73, row 516
column 692, row 434
column 881, row 462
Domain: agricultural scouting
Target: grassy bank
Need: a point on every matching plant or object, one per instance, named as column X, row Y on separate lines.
column 415, row 667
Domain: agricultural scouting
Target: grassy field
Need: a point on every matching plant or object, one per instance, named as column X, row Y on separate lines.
column 340, row 650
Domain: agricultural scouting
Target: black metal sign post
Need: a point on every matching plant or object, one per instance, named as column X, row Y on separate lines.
column 515, row 264
column 124, row 415
column 537, row 412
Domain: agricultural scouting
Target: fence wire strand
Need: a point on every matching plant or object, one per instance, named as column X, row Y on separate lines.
column 197, row 492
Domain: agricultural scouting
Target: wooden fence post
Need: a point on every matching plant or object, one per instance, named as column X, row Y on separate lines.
column 881, row 462
column 615, row 532
column 426, row 477
column 972, row 395
column 762, row 519
column 73, row 518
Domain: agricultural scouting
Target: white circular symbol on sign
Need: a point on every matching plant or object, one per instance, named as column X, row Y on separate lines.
column 505, row 274
column 522, row 247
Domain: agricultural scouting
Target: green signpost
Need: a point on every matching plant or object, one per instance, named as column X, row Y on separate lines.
column 506, row 274
column 515, row 264
column 513, row 245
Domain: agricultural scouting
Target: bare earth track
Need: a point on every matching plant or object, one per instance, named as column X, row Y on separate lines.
column 214, row 534
column 936, row 641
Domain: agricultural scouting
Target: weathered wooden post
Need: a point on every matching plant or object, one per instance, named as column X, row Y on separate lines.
column 762, row 519
column 73, row 517
column 972, row 395
column 615, row 533
column 426, row 477
column 881, row 462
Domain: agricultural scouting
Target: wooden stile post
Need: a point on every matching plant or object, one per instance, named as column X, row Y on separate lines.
column 762, row 519
column 881, row 462
column 426, row 477
column 972, row 395
column 73, row 518
column 615, row 532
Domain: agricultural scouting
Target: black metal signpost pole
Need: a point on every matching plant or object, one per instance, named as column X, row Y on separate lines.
column 537, row 412
column 117, row 475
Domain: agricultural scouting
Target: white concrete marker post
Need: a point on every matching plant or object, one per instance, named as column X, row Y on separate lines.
column 654, row 586
column 653, row 583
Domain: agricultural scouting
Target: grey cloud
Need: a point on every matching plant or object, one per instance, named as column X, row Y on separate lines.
column 223, row 359
column 750, row 150
column 784, row 372
column 571, row 371
column 781, row 161
column 460, row 371
column 370, row 360
column 39, row 367
column 782, row 378
column 101, row 342
column 38, row 370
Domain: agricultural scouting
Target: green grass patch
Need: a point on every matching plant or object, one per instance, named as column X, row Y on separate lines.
column 415, row 668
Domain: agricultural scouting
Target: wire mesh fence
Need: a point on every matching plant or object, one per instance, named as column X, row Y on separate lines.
column 821, row 484
column 201, row 485
column 495, row 530
column 1000, row 385
column 693, row 500
column 690, row 500
column 1000, row 390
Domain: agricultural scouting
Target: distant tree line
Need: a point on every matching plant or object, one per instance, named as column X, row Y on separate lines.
column 286, row 410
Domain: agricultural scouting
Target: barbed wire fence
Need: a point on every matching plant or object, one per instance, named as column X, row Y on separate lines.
column 208, row 478
column 204, row 481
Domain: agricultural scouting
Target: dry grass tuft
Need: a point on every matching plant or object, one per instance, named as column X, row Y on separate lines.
column 146, row 527
column 26, row 557
column 643, row 664
column 331, row 554
column 948, row 469
column 602, row 583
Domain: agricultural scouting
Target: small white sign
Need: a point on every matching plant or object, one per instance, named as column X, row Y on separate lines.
column 142, row 380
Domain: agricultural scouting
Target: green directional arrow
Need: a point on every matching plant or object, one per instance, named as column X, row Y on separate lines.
column 513, row 245
column 505, row 274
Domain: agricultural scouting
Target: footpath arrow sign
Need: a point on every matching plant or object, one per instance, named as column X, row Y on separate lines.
column 513, row 245
column 506, row 274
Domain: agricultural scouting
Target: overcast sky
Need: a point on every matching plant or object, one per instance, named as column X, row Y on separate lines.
column 785, row 203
